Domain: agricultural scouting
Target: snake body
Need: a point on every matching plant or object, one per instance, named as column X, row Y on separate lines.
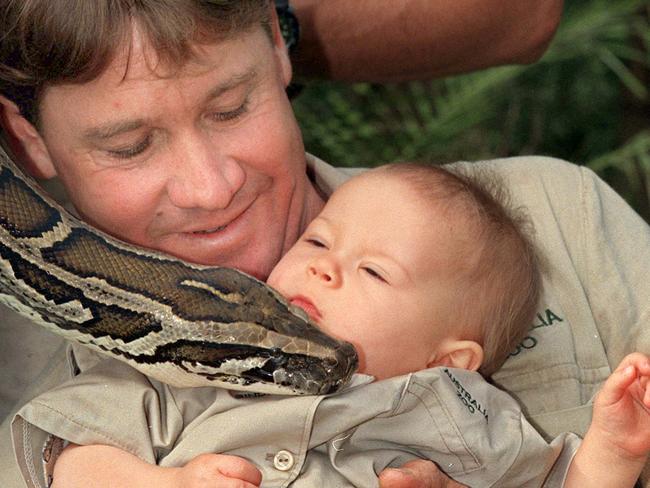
column 183, row 324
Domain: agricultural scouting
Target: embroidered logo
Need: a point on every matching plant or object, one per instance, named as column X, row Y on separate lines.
column 543, row 319
column 466, row 397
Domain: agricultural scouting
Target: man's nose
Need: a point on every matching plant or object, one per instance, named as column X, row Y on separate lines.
column 203, row 177
column 326, row 271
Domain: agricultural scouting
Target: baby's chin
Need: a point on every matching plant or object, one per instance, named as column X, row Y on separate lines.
column 384, row 373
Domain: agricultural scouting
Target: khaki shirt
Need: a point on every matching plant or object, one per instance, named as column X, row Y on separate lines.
column 593, row 312
column 470, row 428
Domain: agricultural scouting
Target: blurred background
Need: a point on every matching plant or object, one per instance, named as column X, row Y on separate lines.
column 587, row 101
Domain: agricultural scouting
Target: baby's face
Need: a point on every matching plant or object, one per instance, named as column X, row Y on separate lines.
column 373, row 269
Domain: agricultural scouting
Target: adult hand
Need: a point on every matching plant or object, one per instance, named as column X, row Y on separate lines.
column 416, row 474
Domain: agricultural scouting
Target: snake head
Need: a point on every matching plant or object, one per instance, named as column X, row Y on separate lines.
column 303, row 374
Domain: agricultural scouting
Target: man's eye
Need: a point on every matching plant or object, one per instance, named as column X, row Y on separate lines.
column 131, row 151
column 374, row 274
column 230, row 114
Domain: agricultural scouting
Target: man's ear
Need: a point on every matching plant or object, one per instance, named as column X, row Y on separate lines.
column 281, row 51
column 25, row 141
column 458, row 354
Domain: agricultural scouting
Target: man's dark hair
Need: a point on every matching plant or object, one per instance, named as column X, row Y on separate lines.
column 49, row 42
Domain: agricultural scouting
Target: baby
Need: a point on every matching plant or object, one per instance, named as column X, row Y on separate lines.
column 417, row 267
column 432, row 279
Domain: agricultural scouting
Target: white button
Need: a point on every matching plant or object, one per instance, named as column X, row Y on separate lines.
column 283, row 461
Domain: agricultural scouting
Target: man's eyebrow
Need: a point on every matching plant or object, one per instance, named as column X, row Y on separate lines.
column 231, row 83
column 103, row 132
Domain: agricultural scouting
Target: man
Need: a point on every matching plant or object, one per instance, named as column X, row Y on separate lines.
column 204, row 160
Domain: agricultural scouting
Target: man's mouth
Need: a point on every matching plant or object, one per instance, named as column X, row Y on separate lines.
column 308, row 306
column 208, row 230
column 211, row 231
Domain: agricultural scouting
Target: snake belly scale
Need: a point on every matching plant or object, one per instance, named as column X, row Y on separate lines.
column 183, row 324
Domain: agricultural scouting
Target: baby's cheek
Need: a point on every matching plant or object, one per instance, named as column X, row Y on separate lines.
column 283, row 281
column 383, row 351
column 361, row 354
column 275, row 278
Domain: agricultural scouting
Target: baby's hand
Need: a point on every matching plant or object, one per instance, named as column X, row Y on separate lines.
column 622, row 407
column 210, row 470
column 110, row 467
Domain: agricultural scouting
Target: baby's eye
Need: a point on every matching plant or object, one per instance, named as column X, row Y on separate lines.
column 374, row 274
column 315, row 242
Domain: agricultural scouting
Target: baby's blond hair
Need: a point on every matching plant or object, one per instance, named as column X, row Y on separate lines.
column 499, row 282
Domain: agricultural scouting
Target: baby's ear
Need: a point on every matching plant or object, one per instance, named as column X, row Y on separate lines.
column 458, row 354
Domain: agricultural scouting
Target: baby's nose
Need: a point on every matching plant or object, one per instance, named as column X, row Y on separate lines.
column 326, row 271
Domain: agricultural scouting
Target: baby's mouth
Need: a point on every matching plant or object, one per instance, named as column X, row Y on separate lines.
column 307, row 306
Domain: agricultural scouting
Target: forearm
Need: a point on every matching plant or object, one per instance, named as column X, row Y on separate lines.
column 617, row 444
column 370, row 40
column 102, row 466
column 597, row 463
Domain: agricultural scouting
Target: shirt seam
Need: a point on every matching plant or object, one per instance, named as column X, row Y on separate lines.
column 29, row 455
column 577, row 376
column 81, row 425
column 585, row 221
column 449, row 419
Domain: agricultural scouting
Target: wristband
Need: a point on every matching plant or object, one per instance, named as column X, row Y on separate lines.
column 288, row 24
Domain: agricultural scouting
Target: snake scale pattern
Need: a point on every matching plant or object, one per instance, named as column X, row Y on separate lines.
column 183, row 324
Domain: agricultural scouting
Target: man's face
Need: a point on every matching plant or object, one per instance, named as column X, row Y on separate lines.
column 205, row 163
column 373, row 269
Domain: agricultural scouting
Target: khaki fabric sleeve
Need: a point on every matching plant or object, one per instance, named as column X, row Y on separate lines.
column 110, row 403
column 31, row 443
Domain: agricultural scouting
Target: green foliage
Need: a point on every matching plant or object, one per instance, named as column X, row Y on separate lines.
column 585, row 101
